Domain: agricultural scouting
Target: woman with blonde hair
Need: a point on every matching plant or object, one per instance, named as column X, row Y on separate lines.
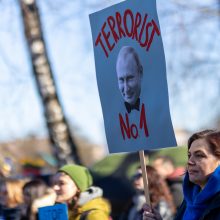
column 11, row 198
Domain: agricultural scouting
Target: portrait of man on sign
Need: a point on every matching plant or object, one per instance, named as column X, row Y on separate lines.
column 129, row 74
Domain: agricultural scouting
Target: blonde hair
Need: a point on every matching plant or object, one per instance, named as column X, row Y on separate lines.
column 14, row 192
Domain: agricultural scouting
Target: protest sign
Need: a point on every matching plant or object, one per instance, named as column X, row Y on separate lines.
column 131, row 77
column 55, row 212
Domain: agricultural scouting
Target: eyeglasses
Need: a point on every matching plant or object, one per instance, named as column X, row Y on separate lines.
column 137, row 176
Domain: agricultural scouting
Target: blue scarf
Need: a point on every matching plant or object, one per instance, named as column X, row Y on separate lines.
column 197, row 199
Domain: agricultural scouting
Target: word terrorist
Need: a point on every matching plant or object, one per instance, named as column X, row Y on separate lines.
column 126, row 25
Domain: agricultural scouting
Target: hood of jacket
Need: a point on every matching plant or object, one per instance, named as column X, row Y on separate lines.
column 92, row 200
column 90, row 194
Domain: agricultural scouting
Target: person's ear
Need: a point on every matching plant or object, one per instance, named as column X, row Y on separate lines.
column 77, row 194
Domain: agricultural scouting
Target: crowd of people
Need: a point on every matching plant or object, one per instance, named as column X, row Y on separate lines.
column 191, row 193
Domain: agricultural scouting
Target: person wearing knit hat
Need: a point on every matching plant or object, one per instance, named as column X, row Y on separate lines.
column 73, row 186
column 79, row 174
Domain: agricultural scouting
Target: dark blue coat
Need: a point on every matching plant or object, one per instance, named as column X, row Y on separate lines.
column 212, row 211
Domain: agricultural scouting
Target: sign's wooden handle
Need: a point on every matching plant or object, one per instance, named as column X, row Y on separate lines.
column 144, row 174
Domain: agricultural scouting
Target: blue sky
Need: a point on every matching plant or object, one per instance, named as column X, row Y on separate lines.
column 191, row 42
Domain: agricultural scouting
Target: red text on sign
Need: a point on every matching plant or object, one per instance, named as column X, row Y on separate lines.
column 127, row 24
column 132, row 130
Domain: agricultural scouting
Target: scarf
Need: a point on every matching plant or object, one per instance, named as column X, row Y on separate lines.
column 197, row 199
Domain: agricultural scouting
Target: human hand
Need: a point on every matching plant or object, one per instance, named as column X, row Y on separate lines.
column 150, row 213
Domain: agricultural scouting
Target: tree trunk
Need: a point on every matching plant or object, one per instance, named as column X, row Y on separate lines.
column 64, row 147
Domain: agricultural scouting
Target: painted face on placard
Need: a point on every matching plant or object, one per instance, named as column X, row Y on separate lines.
column 129, row 74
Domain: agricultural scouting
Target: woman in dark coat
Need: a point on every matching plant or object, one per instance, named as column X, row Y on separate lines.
column 201, row 186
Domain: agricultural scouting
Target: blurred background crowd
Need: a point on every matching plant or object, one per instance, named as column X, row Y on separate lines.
column 21, row 194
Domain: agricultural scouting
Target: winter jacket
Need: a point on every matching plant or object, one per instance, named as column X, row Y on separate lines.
column 91, row 201
column 201, row 204
column 212, row 211
column 176, row 189
column 164, row 210
column 139, row 200
column 11, row 213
